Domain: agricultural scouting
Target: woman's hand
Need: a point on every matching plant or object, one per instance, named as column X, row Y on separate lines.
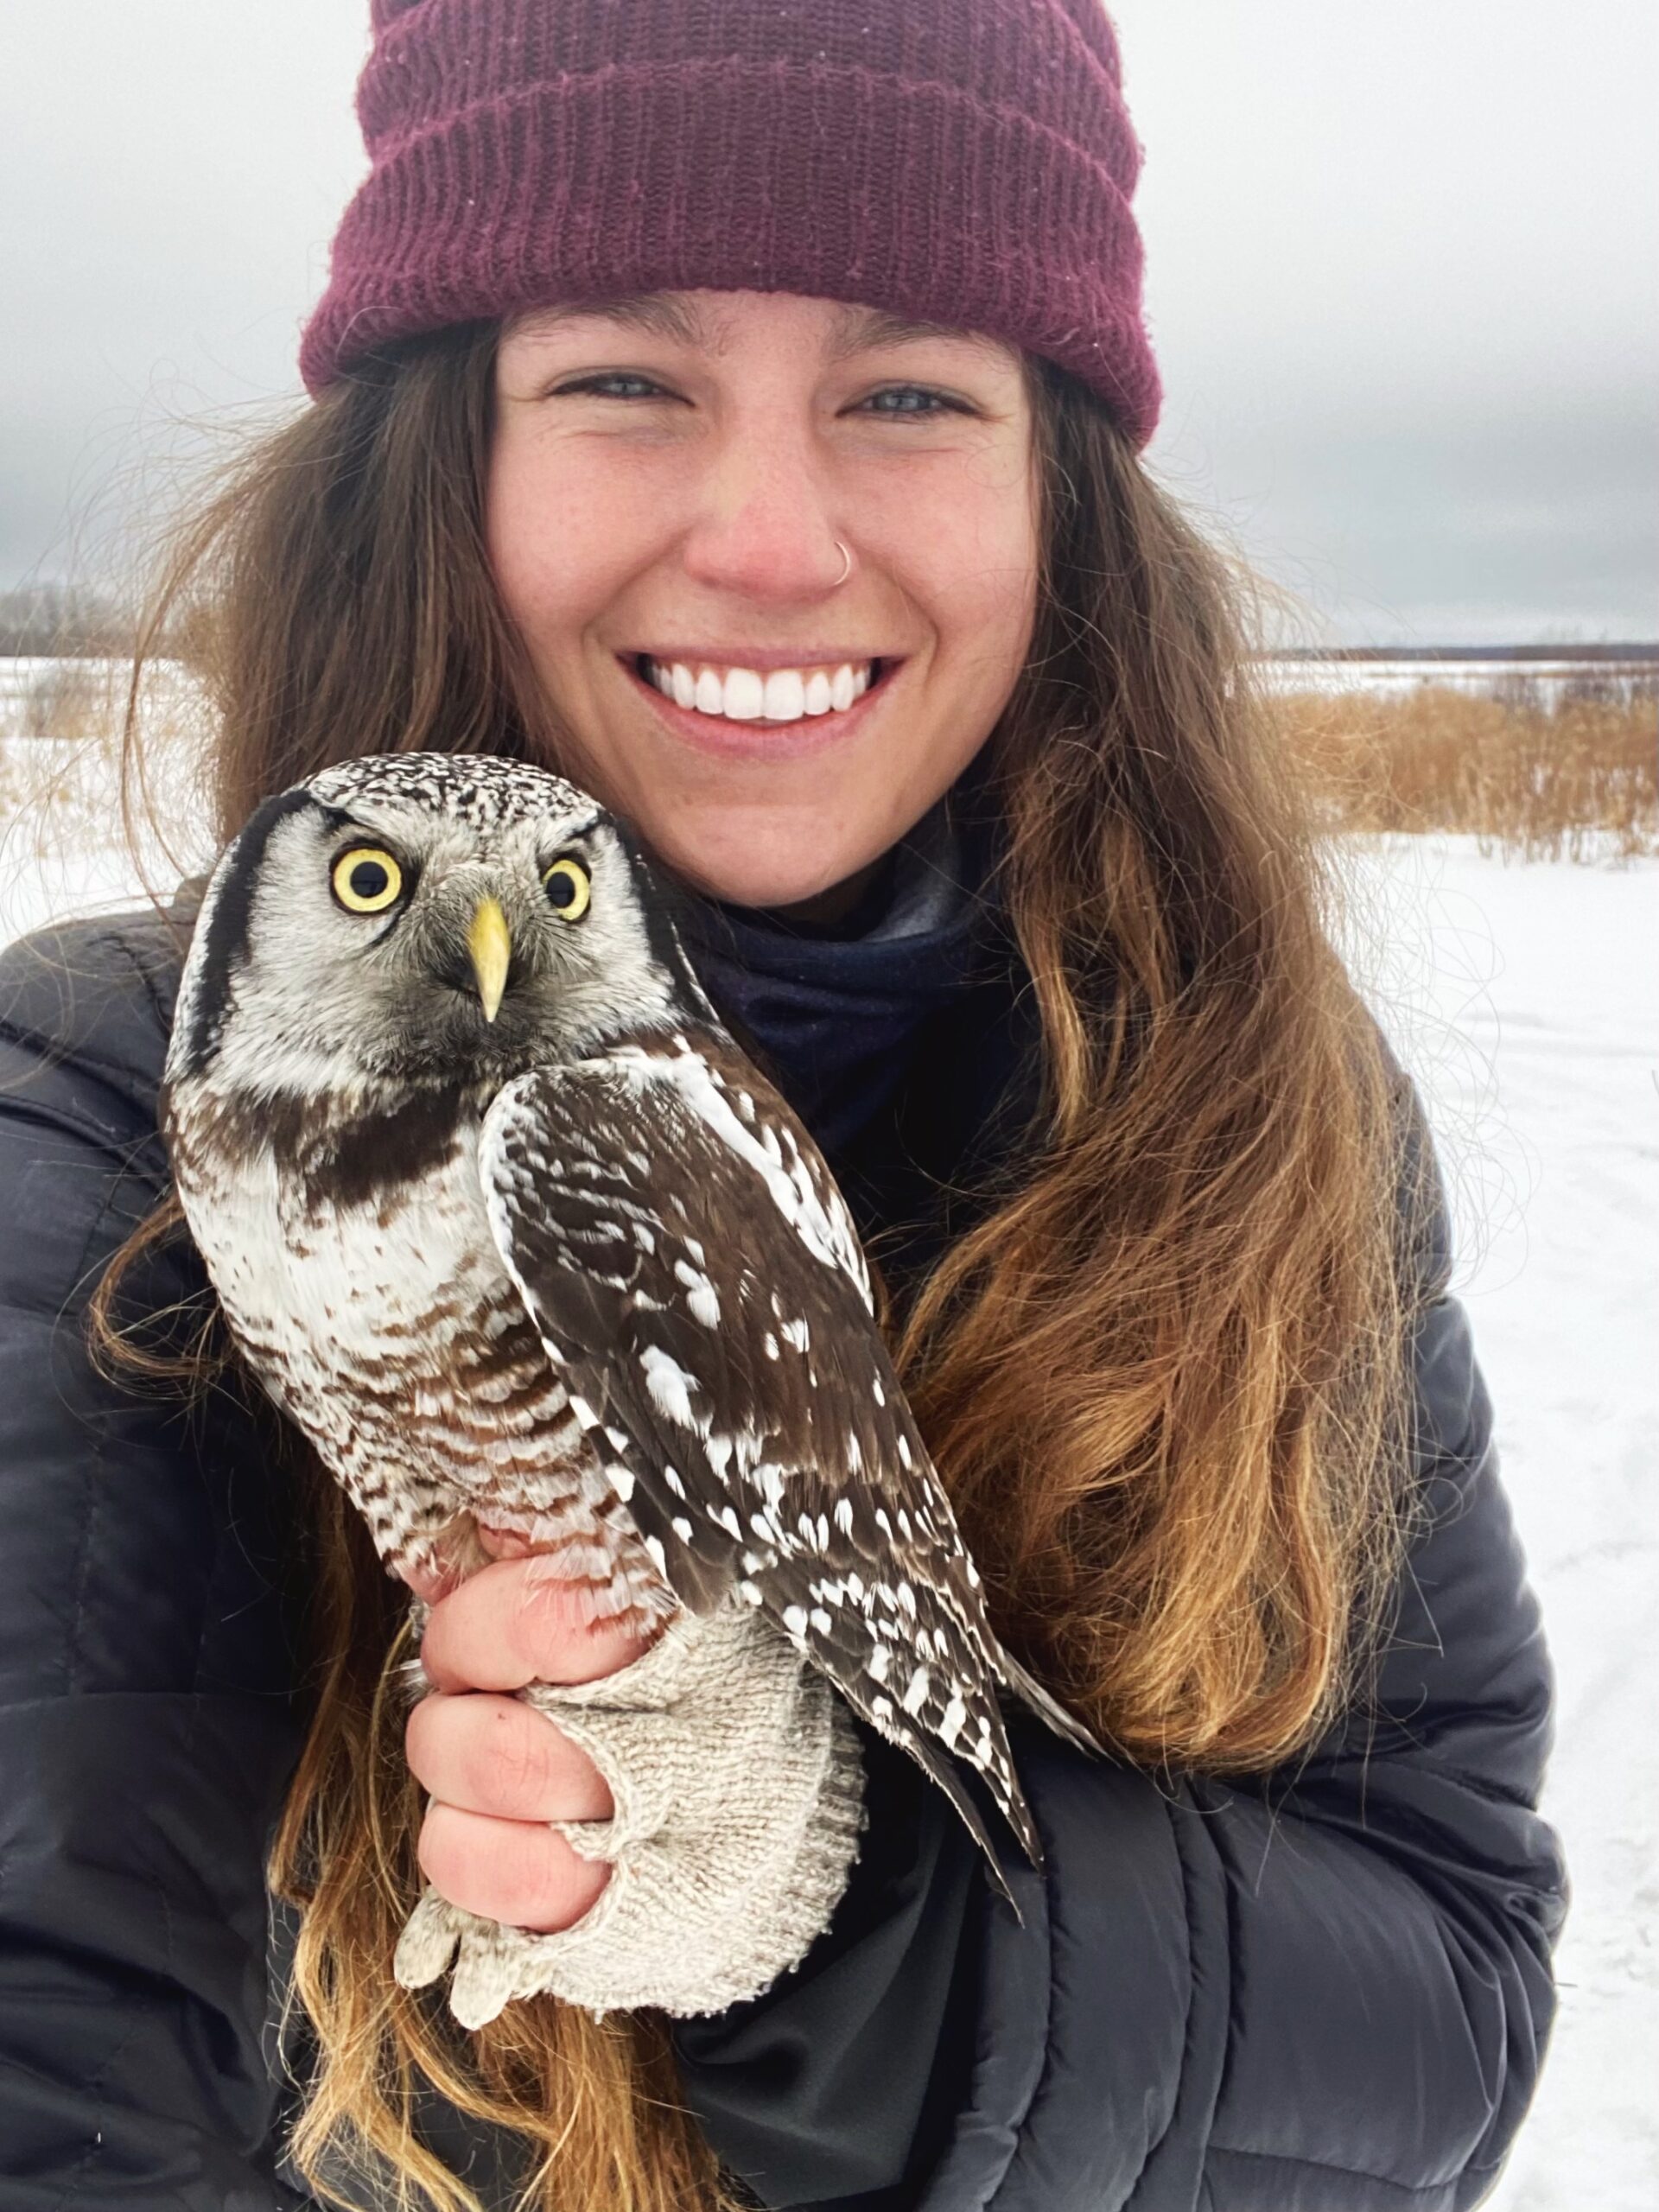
column 498, row 1771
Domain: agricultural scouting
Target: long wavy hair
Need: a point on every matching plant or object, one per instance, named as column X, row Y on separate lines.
column 1163, row 1375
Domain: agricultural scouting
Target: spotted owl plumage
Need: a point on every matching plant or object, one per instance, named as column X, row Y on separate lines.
column 565, row 1266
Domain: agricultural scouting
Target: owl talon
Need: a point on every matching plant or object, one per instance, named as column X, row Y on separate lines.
column 431, row 1936
column 492, row 1964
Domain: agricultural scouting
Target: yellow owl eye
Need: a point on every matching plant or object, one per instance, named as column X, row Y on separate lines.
column 367, row 879
column 569, row 889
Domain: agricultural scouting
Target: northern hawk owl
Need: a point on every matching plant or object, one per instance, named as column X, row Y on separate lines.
column 508, row 1224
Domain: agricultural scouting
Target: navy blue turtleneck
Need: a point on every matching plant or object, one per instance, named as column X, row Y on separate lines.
column 903, row 1035
column 839, row 1011
column 902, row 1038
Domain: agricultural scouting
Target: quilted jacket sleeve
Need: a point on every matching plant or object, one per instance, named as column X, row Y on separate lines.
column 1329, row 1994
column 1329, row 1991
column 147, row 1729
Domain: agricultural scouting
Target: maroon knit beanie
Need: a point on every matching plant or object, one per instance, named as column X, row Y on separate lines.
column 967, row 161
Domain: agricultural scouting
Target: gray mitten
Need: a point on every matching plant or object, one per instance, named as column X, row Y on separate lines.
column 734, row 1771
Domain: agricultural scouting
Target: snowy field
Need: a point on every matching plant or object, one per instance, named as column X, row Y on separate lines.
column 1525, row 999
column 1542, row 682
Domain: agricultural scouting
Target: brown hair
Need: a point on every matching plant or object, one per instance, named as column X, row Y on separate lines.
column 1162, row 1376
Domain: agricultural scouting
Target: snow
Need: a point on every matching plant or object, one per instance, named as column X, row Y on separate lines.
column 1547, row 684
column 61, row 850
column 1525, row 999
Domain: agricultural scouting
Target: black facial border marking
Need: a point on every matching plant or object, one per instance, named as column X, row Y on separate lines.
column 231, row 917
column 659, row 898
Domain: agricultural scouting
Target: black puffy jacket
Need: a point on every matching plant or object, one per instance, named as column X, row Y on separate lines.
column 1329, row 1989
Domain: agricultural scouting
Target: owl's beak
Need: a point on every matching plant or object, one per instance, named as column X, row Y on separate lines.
column 489, row 946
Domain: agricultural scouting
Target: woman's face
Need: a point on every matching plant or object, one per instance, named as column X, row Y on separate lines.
column 669, row 477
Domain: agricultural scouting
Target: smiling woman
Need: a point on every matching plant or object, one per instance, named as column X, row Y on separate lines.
column 739, row 408
column 673, row 491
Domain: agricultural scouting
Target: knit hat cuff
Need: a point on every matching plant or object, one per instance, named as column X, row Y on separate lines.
column 596, row 186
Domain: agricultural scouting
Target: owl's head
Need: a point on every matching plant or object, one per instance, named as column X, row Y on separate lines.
column 423, row 917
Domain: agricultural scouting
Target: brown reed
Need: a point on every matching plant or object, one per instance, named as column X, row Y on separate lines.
column 1577, row 780
column 1529, row 780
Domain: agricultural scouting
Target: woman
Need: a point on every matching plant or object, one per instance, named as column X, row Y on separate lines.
column 720, row 354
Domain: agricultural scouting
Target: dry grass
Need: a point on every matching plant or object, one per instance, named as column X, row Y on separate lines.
column 1579, row 782
column 67, row 700
column 66, row 714
column 62, row 832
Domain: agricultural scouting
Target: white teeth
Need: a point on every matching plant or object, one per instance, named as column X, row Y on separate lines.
column 745, row 695
column 785, row 695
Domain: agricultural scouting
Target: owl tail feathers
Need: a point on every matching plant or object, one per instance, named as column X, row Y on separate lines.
column 1011, row 1801
column 1027, row 1688
column 943, row 1770
column 941, row 1767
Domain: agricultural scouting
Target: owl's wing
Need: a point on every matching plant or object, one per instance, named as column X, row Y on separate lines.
column 691, row 1265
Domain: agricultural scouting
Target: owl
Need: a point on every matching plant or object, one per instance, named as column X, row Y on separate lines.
column 510, row 1227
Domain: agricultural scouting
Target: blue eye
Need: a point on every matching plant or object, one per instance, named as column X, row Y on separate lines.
column 934, row 403
column 937, row 402
column 617, row 376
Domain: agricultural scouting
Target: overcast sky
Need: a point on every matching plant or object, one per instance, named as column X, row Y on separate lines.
column 1403, row 278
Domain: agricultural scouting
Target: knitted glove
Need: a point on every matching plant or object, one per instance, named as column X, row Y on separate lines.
column 734, row 1771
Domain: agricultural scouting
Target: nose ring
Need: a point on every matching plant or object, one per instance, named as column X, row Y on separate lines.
column 847, row 571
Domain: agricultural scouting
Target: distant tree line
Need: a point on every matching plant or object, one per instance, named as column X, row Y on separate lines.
column 61, row 621
column 1636, row 653
column 67, row 621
